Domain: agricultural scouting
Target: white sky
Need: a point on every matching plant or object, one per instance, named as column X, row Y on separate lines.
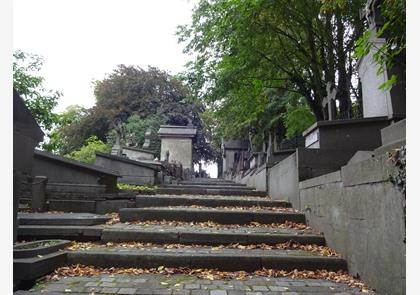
column 83, row 40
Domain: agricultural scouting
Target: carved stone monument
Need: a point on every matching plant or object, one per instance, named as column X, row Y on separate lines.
column 378, row 102
column 147, row 136
column 116, row 148
column 176, row 144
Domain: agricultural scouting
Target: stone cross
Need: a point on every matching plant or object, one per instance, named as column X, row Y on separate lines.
column 329, row 102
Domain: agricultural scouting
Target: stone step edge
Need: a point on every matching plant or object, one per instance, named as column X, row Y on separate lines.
column 177, row 200
column 86, row 233
column 220, row 261
column 206, row 238
column 181, row 191
column 202, row 215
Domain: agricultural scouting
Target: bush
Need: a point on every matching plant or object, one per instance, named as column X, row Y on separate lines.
column 87, row 153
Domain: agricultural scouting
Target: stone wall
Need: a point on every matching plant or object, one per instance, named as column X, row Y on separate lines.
column 361, row 216
column 132, row 172
column 283, row 180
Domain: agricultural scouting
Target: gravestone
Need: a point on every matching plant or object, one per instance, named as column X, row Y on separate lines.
column 147, row 136
column 378, row 102
column 176, row 144
column 229, row 148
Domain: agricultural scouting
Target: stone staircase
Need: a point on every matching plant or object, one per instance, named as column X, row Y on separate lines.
column 185, row 228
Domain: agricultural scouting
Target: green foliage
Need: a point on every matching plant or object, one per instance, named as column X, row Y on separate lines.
column 28, row 84
column 144, row 188
column 251, row 56
column 136, row 127
column 87, row 152
column 297, row 119
column 57, row 142
column 140, row 97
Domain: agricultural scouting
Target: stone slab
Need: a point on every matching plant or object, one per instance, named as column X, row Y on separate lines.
column 208, row 201
column 202, row 215
column 33, row 249
column 61, row 219
column 206, row 237
column 76, row 233
column 394, row 132
column 208, row 191
column 206, row 186
column 72, row 206
column 228, row 259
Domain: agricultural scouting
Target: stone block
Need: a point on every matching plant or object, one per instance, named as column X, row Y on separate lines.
column 115, row 235
column 78, row 206
column 36, row 267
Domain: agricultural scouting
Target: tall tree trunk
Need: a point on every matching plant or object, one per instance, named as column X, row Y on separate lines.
column 343, row 89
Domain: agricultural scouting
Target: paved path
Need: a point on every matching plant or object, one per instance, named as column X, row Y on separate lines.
column 188, row 285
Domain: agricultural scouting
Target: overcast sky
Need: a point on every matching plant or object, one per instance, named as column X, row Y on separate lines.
column 82, row 40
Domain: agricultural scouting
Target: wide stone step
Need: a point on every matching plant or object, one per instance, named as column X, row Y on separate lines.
column 209, row 201
column 74, row 233
column 227, row 183
column 206, row 186
column 223, row 216
column 225, row 259
column 208, row 191
column 208, row 236
column 61, row 219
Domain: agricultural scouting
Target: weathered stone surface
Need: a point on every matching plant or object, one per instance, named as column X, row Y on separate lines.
column 35, row 267
column 199, row 215
column 77, row 233
column 61, row 219
column 226, row 259
column 362, row 218
column 72, row 206
column 191, row 285
column 208, row 201
column 24, row 250
column 244, row 235
column 209, row 191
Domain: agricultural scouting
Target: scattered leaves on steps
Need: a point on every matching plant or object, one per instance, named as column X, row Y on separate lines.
column 209, row 274
column 209, row 224
column 291, row 245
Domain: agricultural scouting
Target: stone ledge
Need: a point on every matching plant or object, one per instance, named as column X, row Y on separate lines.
column 321, row 180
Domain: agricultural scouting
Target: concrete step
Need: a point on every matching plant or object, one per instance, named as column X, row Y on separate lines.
column 208, row 201
column 212, row 183
column 61, row 219
column 223, row 216
column 208, row 236
column 208, row 191
column 73, row 233
column 206, row 186
column 205, row 257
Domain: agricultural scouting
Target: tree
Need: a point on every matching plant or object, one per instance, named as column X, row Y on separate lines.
column 28, row 84
column 58, row 138
column 139, row 97
column 247, row 49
